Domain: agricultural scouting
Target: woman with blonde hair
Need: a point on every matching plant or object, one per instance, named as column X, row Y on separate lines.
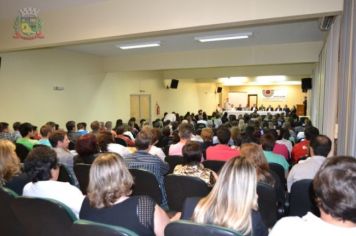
column 108, row 199
column 9, row 162
column 233, row 200
column 254, row 153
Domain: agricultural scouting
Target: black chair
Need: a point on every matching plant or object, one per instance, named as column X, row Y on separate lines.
column 17, row 183
column 82, row 173
column 282, row 203
column 41, row 217
column 189, row 228
column 65, row 175
column 214, row 165
column 279, row 170
column 173, row 161
column 9, row 223
column 89, row 228
column 188, row 207
column 120, row 141
column 21, row 151
column 179, row 187
column 301, row 199
column 146, row 184
column 267, row 204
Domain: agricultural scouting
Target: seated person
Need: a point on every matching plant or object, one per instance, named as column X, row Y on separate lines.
column 9, row 162
column 108, row 199
column 254, row 153
column 232, row 202
column 156, row 135
column 335, row 190
column 192, row 153
column 185, row 134
column 26, row 130
column 222, row 151
column 319, row 149
column 142, row 159
column 41, row 165
column 120, row 130
column 45, row 132
column 107, row 143
column 10, row 173
column 207, row 136
column 87, row 148
column 301, row 150
column 268, row 142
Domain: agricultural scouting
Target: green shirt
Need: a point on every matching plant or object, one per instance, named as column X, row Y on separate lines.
column 28, row 143
column 275, row 158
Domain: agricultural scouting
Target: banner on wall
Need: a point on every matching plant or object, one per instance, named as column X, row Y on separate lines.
column 274, row 95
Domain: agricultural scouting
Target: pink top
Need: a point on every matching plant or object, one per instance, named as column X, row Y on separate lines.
column 281, row 149
column 221, row 152
column 176, row 149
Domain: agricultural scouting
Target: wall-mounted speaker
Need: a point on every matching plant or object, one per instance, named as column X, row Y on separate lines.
column 174, row 83
column 306, row 84
column 219, row 89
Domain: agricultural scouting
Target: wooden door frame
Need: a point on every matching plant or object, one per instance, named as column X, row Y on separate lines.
column 248, row 99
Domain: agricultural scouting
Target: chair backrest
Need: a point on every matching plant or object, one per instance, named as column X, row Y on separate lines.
column 82, row 172
column 146, row 184
column 65, row 175
column 21, row 151
column 189, row 228
column 301, row 198
column 173, row 161
column 9, row 223
column 267, row 204
column 16, row 183
column 43, row 216
column 89, row 228
column 279, row 170
column 214, row 165
column 179, row 187
column 120, row 141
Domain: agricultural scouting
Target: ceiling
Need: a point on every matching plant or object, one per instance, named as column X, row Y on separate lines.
column 9, row 8
column 266, row 34
column 282, row 33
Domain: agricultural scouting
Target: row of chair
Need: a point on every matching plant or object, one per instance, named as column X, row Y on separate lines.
column 38, row 217
column 179, row 188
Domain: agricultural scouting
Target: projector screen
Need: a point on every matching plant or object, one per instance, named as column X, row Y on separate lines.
column 237, row 98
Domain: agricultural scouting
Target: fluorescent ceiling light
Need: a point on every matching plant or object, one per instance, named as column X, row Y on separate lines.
column 141, row 45
column 271, row 78
column 231, row 81
column 213, row 38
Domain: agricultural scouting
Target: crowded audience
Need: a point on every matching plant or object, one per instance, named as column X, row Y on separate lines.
column 247, row 145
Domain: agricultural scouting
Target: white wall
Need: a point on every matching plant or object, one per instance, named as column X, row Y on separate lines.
column 27, row 79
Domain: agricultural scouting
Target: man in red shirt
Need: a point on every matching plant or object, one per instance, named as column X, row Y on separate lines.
column 222, row 151
column 301, row 149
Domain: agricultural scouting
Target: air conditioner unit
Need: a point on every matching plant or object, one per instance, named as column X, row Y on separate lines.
column 326, row 22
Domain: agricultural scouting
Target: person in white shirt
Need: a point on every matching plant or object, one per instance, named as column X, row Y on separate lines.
column 41, row 165
column 171, row 117
column 156, row 135
column 227, row 105
column 319, row 148
column 107, row 143
column 335, row 190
